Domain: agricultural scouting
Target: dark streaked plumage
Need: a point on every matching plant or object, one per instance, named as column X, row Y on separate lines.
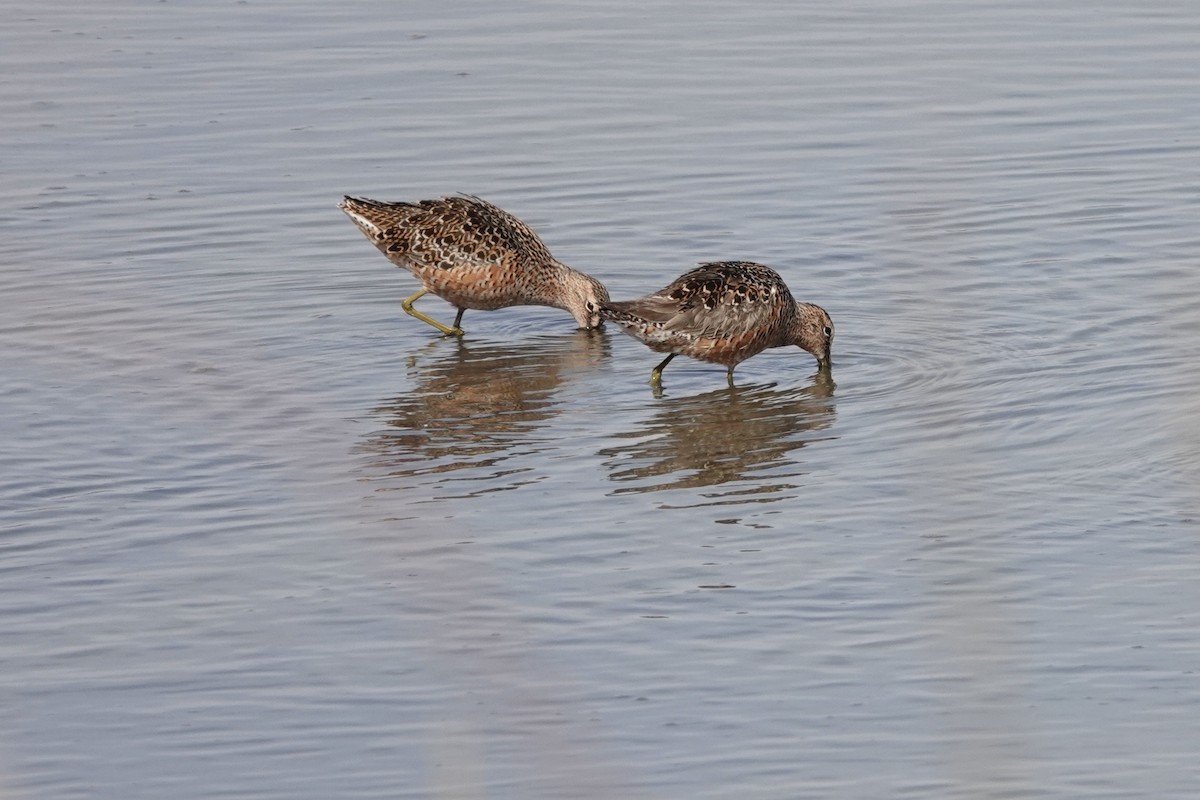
column 724, row 312
column 474, row 255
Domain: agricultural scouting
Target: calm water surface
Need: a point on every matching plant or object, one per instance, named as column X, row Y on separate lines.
column 264, row 536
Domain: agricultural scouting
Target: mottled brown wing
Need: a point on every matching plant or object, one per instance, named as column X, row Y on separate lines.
column 722, row 299
column 456, row 233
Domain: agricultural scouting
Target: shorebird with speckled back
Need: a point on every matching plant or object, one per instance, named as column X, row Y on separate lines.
column 474, row 255
column 724, row 312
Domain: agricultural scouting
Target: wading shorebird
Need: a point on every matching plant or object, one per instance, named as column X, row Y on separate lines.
column 474, row 255
column 724, row 312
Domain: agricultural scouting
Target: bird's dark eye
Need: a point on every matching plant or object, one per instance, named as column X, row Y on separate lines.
column 828, row 331
column 591, row 306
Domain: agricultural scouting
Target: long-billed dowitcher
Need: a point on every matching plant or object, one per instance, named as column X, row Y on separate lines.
column 474, row 255
column 724, row 312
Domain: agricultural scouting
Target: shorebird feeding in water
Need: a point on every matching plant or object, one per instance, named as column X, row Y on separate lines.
column 474, row 255
column 724, row 312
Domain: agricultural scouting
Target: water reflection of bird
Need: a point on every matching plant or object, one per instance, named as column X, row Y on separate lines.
column 478, row 405
column 737, row 438
column 474, row 255
column 723, row 312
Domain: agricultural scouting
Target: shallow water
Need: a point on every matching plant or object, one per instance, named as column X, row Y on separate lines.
column 266, row 536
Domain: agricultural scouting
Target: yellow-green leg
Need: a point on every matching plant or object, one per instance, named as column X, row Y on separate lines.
column 407, row 305
column 729, row 377
column 656, row 373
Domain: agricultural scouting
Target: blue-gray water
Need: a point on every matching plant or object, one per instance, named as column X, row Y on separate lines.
column 264, row 536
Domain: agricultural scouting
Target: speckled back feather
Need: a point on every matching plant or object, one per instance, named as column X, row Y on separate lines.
column 448, row 233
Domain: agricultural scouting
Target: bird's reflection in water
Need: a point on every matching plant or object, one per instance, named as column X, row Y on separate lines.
column 475, row 407
column 740, row 439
